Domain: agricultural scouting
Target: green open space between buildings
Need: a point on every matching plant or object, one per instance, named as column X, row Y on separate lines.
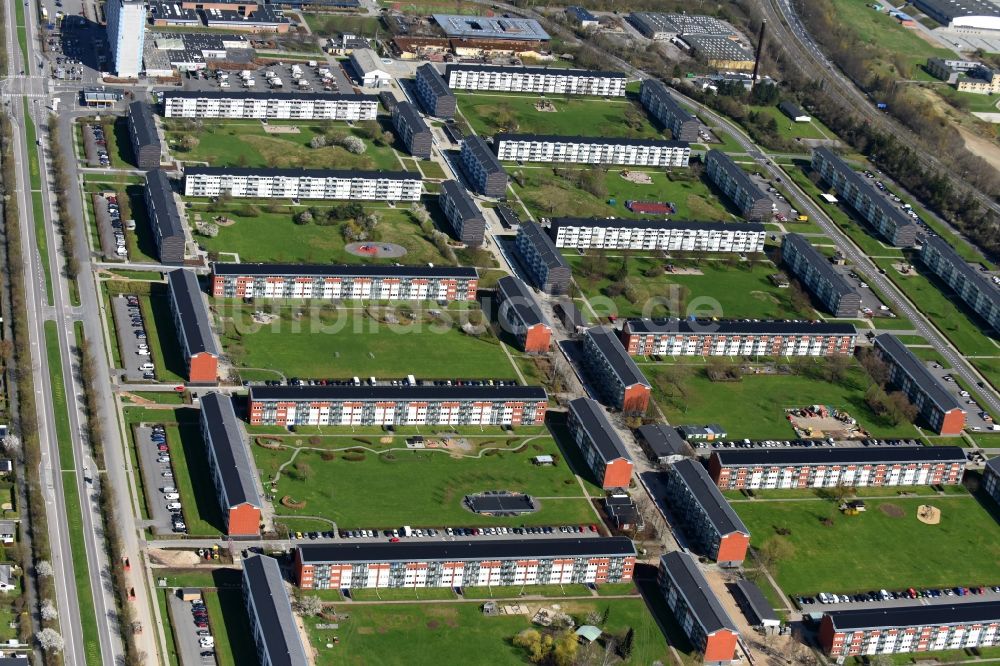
column 790, row 129
column 877, row 27
column 332, row 24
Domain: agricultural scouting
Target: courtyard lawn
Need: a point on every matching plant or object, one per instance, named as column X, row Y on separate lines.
column 547, row 192
column 343, row 344
column 754, row 407
column 361, row 488
column 422, row 634
column 247, row 144
column 877, row 549
column 495, row 112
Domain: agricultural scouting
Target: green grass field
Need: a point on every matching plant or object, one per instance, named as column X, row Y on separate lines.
column 348, row 343
column 879, row 28
column 876, row 550
column 329, row 25
column 415, row 635
column 754, row 407
column 790, row 129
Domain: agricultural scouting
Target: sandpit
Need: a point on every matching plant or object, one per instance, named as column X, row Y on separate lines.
column 281, row 129
column 376, row 250
column 545, row 106
column 639, row 177
column 173, row 558
column 929, row 515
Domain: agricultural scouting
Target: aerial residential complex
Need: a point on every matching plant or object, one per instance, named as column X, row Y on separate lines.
column 553, row 81
column 272, row 623
column 826, row 467
column 752, row 201
column 397, row 405
column 697, row 609
column 464, row 563
column 233, row 471
column 591, row 150
column 655, row 96
column 912, row 628
column 346, row 282
column 706, row 518
column 734, row 337
column 482, row 168
column 143, row 135
column 412, row 130
column 164, row 218
column 540, row 257
column 668, row 235
column 265, row 183
column 819, row 277
column 433, row 93
column 599, row 443
column 612, row 372
column 891, row 223
column 939, row 408
column 466, row 219
column 521, row 315
column 194, row 329
column 975, row 288
column 268, row 105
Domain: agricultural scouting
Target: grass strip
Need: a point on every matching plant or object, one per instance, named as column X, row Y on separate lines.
column 81, row 572
column 59, row 404
column 22, row 32
column 37, row 207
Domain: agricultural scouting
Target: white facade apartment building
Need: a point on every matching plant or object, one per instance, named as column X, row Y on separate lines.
column 536, row 80
column 273, row 106
column 708, row 337
column 591, row 150
column 617, row 234
column 302, row 184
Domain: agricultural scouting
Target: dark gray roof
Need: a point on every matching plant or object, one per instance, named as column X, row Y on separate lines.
column 343, row 270
column 792, row 109
column 694, row 589
column 734, row 171
column 977, row 612
column 737, row 327
column 427, row 392
column 432, row 77
column 580, row 13
column 981, row 280
column 663, row 440
column 851, row 455
column 930, row 385
column 236, row 470
column 706, row 492
column 409, row 114
column 546, row 249
column 167, row 217
column 815, row 258
column 600, row 140
column 611, row 348
column 551, row 71
column 298, row 173
column 480, row 150
column 276, row 622
column 759, row 604
column 143, row 124
column 614, row 222
column 595, row 422
column 213, row 94
column 459, row 196
column 993, row 465
column 521, row 300
column 659, row 90
column 427, row 551
column 197, row 329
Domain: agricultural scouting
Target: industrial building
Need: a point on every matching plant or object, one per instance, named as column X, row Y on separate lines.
column 491, row 28
column 612, row 372
column 542, row 80
column 991, row 479
column 344, row 282
column 666, row 235
column 166, row 54
column 662, row 444
column 975, row 288
column 697, row 609
column 970, row 14
column 164, row 218
column 660, row 27
column 412, row 130
column 597, row 441
column 268, row 105
column 751, row 200
column 541, row 259
column 233, row 471
column 913, row 628
column 383, row 405
column 736, row 337
column 126, row 32
column 368, row 69
column 143, row 136
column 591, row 150
column 262, row 18
column 492, row 563
column 267, row 183
column 658, row 101
column 272, row 621
column 482, row 168
column 582, row 17
column 194, row 330
column 938, row 407
column 891, row 223
column 819, row 277
column 463, row 214
column 433, row 93
column 519, row 314
column 708, row 522
column 720, row 52
column 794, row 112
column 828, row 467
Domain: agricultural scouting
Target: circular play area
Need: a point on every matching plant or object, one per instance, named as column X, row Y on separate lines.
column 376, row 250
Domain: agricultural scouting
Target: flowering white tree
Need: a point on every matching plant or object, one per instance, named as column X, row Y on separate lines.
column 50, row 640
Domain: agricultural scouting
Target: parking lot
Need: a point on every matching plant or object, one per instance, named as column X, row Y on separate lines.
column 95, row 146
column 896, row 598
column 974, row 414
column 451, row 534
column 188, row 634
column 110, row 226
column 784, row 211
column 870, row 303
column 137, row 366
column 315, row 75
column 706, row 448
column 159, row 490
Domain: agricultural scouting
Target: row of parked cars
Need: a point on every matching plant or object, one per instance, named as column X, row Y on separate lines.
column 139, row 330
column 102, row 144
column 115, row 215
column 199, row 613
column 886, row 595
column 171, row 496
column 805, row 443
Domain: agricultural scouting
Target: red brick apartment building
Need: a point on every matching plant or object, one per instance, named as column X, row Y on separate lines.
column 612, row 373
column 825, row 467
column 397, row 405
column 519, row 314
column 233, row 472
column 602, row 448
column 907, row 629
column 416, row 564
column 201, row 353
column 332, row 282
column 705, row 337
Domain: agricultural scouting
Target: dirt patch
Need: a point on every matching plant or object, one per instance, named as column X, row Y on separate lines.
column 892, row 510
column 288, row 502
column 929, row 515
column 687, row 271
column 433, row 624
column 984, row 148
column 365, row 631
column 173, row 558
column 268, row 442
column 281, row 129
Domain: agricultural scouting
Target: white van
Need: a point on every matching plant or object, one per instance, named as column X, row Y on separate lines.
column 147, row 367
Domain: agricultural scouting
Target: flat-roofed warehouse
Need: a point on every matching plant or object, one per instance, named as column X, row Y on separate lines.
column 662, row 443
column 233, row 471
column 978, row 14
column 490, row 27
column 720, row 52
column 143, row 135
